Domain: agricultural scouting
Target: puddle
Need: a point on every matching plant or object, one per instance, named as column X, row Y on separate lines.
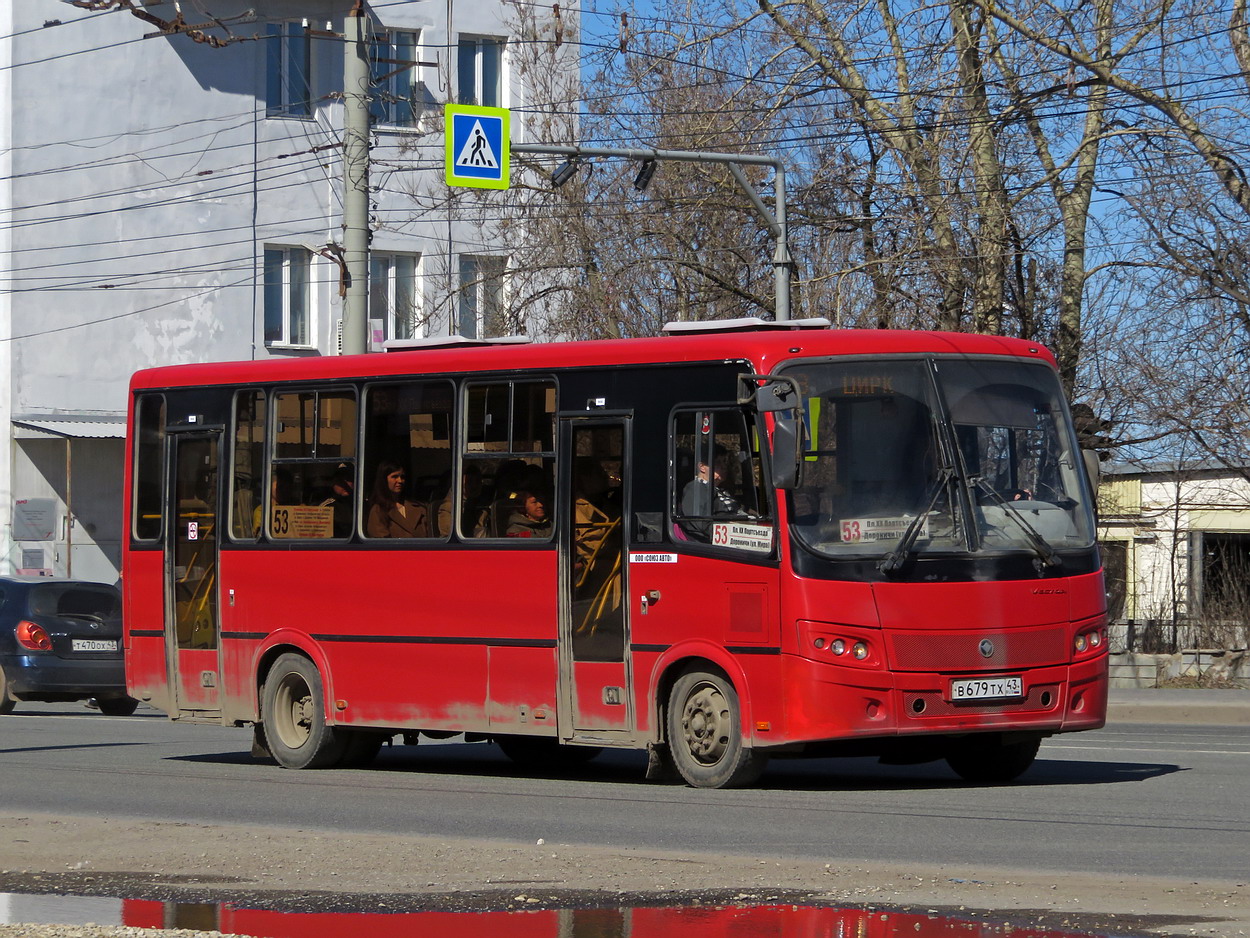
column 759, row 921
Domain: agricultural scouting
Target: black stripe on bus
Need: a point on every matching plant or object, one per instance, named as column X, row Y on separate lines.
column 147, row 633
column 245, row 636
column 732, row 649
column 439, row 640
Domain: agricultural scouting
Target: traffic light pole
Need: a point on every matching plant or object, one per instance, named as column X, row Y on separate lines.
column 775, row 220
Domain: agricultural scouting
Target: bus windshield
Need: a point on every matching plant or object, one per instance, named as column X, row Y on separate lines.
column 937, row 455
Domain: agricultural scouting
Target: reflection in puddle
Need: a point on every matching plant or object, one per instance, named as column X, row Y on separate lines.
column 690, row 922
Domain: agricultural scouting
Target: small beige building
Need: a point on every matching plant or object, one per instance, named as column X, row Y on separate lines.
column 1176, row 551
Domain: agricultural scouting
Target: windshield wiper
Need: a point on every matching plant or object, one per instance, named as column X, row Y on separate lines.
column 894, row 559
column 1039, row 543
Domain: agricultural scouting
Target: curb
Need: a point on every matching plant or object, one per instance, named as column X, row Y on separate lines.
column 1201, row 708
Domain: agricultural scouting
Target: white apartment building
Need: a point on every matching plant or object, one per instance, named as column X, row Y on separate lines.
column 173, row 192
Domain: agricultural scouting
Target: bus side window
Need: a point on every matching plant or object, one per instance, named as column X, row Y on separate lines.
column 314, row 451
column 247, row 466
column 717, row 480
column 508, row 466
column 148, row 494
column 408, row 459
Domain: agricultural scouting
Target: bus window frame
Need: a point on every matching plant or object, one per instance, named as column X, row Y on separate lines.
column 272, row 461
column 365, row 482
column 464, row 456
column 753, row 424
column 232, row 440
column 140, row 398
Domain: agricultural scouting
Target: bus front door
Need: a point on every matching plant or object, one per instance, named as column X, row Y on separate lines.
column 595, row 698
column 192, row 626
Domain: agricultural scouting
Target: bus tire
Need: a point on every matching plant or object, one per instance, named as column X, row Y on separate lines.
column 705, row 734
column 989, row 760
column 542, row 754
column 293, row 712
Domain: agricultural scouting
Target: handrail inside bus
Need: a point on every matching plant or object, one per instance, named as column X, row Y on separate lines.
column 451, row 341
column 743, row 324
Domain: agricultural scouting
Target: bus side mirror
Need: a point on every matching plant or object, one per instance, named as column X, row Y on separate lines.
column 1093, row 469
column 787, row 458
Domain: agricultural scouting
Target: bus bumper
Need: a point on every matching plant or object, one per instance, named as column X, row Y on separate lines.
column 827, row 702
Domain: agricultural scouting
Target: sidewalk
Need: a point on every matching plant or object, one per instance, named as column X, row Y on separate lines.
column 1178, row 705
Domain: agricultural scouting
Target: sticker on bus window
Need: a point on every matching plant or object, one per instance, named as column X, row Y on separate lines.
column 302, row 521
column 756, row 537
column 866, row 530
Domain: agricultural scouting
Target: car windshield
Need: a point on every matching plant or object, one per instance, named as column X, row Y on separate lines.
column 59, row 599
column 937, row 455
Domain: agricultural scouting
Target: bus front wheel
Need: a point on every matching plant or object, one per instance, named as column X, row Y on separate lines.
column 989, row 759
column 705, row 734
column 293, row 713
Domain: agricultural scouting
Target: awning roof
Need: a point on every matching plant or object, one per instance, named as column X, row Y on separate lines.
column 74, row 426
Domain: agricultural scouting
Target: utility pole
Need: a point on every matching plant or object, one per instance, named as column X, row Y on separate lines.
column 356, row 183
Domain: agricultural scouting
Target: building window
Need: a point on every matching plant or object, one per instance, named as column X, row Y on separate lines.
column 1225, row 572
column 1115, row 578
column 393, row 296
column 480, row 71
column 288, row 57
column 287, row 307
column 393, row 58
column 481, row 297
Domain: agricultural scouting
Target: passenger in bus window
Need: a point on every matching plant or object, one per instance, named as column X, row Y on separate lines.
column 530, row 518
column 390, row 513
column 474, row 511
column 342, row 499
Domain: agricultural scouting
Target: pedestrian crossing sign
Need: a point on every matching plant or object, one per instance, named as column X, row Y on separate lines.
column 477, row 146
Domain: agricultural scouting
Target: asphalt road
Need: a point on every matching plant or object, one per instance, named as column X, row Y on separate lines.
column 1151, row 799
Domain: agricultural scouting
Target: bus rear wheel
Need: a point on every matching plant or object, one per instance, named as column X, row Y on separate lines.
column 293, row 712
column 705, row 734
column 989, row 759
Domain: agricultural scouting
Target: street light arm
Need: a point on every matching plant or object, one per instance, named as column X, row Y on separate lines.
column 775, row 220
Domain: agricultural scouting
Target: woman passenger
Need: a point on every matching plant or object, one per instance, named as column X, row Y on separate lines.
column 390, row 514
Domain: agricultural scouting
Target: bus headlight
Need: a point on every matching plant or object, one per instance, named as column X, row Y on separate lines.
column 860, row 651
column 838, row 647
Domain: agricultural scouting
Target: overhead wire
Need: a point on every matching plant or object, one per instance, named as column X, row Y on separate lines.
column 789, row 144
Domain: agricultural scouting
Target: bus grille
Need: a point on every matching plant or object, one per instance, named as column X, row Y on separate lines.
column 943, row 651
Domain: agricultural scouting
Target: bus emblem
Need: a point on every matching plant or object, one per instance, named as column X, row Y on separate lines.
column 986, row 648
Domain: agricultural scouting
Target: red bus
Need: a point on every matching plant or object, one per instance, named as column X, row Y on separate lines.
column 719, row 547
column 707, row 921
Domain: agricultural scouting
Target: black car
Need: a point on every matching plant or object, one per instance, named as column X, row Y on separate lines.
column 62, row 640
